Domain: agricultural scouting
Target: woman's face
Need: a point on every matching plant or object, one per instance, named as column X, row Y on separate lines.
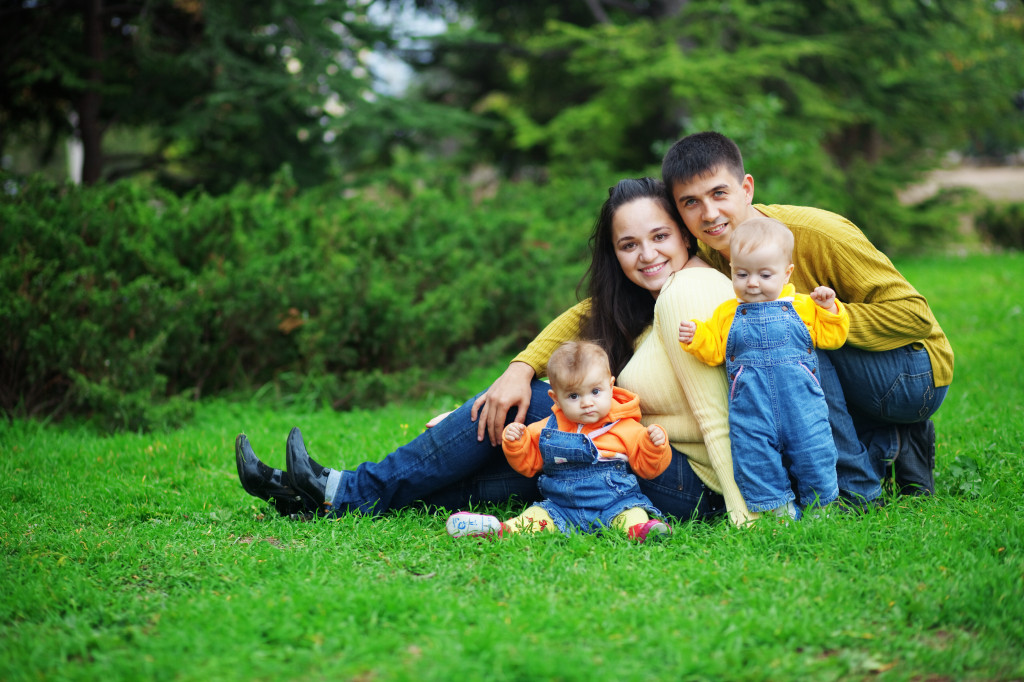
column 648, row 243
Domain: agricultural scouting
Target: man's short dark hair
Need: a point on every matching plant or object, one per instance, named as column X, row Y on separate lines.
column 698, row 155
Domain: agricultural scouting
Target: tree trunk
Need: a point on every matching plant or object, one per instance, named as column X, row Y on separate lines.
column 89, row 126
column 860, row 140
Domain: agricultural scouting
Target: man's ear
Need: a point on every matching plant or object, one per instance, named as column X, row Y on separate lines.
column 748, row 187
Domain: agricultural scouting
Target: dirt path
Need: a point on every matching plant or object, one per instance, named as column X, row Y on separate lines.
column 1002, row 183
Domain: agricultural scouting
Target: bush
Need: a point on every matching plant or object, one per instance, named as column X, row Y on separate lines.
column 126, row 302
column 1002, row 225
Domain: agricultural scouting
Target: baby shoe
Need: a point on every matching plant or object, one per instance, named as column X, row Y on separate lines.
column 467, row 524
column 653, row 530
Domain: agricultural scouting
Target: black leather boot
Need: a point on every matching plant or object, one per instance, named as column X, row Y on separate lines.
column 914, row 466
column 266, row 483
column 306, row 477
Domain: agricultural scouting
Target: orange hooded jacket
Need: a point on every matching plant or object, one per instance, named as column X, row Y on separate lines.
column 628, row 439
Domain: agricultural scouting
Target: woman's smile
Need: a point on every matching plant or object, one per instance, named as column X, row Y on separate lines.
column 648, row 244
column 652, row 269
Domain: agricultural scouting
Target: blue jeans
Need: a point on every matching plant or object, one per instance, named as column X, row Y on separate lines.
column 446, row 466
column 582, row 491
column 871, row 397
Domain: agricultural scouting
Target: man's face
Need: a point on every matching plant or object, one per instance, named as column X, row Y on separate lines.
column 713, row 204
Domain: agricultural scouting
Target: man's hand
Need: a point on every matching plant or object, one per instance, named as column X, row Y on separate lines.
column 511, row 389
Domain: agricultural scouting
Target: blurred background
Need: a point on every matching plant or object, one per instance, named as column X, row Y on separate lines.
column 340, row 199
column 214, row 93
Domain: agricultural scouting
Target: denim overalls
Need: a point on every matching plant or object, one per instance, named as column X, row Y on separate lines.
column 778, row 418
column 581, row 489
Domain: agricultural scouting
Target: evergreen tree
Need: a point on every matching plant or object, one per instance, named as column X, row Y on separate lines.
column 226, row 91
column 616, row 79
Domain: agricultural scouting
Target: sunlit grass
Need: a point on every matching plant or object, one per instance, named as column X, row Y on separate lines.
column 140, row 557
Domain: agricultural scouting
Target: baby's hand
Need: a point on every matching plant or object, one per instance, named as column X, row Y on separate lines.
column 513, row 432
column 825, row 298
column 656, row 434
column 686, row 331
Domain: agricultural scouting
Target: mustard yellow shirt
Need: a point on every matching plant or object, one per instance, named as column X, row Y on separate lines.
column 886, row 312
column 828, row 330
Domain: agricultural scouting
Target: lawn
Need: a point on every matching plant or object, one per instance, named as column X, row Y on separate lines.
column 140, row 557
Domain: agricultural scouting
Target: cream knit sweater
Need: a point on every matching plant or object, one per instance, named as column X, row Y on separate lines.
column 677, row 391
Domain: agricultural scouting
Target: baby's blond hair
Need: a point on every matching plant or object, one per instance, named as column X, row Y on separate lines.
column 568, row 365
column 754, row 232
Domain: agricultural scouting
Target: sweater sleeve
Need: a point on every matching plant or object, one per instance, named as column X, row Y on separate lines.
column 709, row 340
column 524, row 455
column 705, row 387
column 828, row 330
column 885, row 311
column 565, row 327
column 704, row 346
column 645, row 458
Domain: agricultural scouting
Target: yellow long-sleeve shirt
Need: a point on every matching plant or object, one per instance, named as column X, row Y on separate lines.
column 686, row 397
column 886, row 311
column 828, row 330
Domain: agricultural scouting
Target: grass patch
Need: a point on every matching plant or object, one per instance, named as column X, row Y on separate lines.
column 140, row 557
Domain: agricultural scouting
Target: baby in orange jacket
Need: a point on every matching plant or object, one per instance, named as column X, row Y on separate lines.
column 588, row 451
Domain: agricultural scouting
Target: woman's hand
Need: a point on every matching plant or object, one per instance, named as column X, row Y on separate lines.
column 511, row 389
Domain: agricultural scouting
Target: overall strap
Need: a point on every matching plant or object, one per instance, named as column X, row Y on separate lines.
column 597, row 433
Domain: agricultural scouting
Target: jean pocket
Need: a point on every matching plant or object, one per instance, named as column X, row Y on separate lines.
column 765, row 334
column 815, row 382
column 909, row 399
column 735, row 386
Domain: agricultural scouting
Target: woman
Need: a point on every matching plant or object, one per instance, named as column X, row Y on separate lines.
column 644, row 278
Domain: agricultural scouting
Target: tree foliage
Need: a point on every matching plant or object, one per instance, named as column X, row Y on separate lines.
column 232, row 90
column 835, row 104
column 615, row 80
column 227, row 90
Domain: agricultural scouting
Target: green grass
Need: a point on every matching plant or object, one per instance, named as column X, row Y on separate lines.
column 140, row 557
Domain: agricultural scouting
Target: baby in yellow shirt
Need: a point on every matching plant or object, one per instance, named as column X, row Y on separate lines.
column 778, row 418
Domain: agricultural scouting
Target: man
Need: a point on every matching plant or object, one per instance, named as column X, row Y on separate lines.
column 882, row 387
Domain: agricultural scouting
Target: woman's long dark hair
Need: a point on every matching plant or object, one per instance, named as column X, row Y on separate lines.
column 619, row 309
